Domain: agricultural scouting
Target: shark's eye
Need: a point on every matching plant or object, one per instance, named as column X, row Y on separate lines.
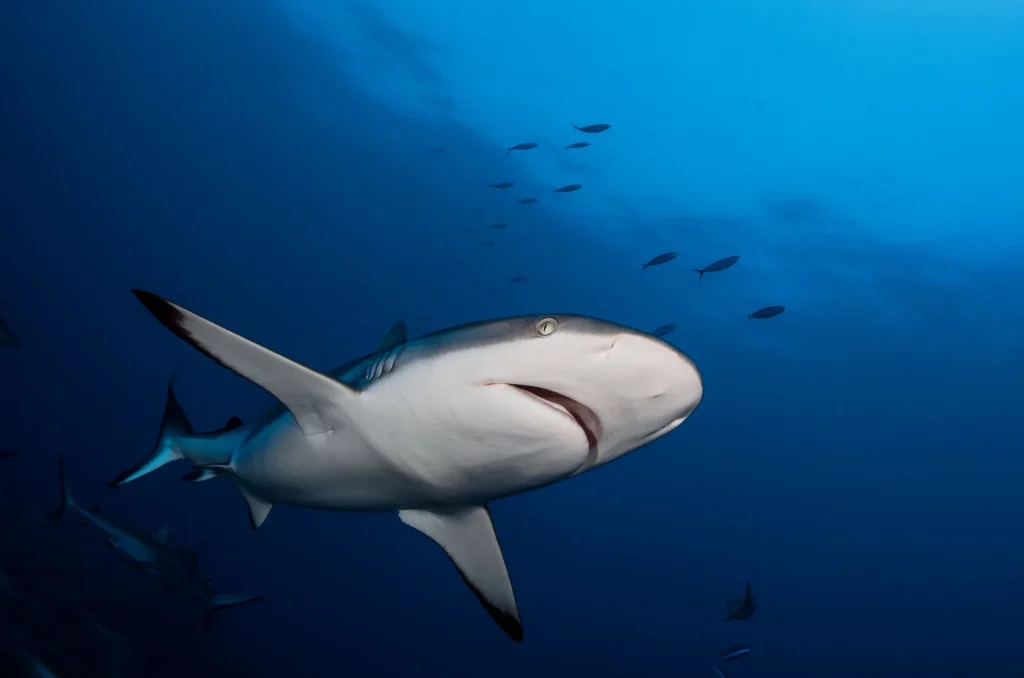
column 547, row 327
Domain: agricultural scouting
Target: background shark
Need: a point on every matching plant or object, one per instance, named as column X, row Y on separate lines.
column 436, row 427
column 176, row 568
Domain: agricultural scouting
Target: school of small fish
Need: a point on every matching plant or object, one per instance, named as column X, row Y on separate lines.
column 664, row 258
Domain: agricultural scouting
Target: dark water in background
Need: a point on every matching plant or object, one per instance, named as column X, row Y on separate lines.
column 268, row 165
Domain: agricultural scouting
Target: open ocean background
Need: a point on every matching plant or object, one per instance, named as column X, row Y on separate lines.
column 273, row 166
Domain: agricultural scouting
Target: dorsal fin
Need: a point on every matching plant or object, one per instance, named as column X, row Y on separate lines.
column 395, row 336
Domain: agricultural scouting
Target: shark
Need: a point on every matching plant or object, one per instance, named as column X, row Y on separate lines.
column 435, row 428
column 176, row 568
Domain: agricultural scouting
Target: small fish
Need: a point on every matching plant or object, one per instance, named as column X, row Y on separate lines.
column 518, row 279
column 661, row 259
column 489, row 243
column 592, row 129
column 569, row 188
column 719, row 673
column 719, row 265
column 497, row 227
column 504, row 184
column 438, row 150
column 8, row 454
column 527, row 201
column 767, row 312
column 735, row 653
column 579, row 144
column 522, row 147
column 741, row 610
column 663, row 330
column 7, row 336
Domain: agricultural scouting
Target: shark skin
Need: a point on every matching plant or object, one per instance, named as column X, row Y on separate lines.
column 176, row 568
column 435, row 427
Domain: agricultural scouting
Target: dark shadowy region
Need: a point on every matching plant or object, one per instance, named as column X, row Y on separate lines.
column 7, row 336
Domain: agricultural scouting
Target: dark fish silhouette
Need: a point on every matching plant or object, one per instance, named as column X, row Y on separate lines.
column 522, row 147
column 719, row 673
column 8, row 454
column 497, row 227
column 719, row 265
column 518, row 279
column 504, row 184
column 527, row 201
column 661, row 259
column 741, row 610
column 734, row 653
column 489, row 243
column 592, row 129
column 663, row 330
column 767, row 312
column 7, row 336
column 569, row 188
column 579, row 144
column 438, row 150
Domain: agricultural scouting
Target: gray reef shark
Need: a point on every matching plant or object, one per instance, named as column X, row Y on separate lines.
column 177, row 568
column 436, row 427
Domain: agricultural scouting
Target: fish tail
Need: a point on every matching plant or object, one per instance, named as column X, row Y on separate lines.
column 509, row 151
column 574, row 125
column 178, row 440
column 701, row 272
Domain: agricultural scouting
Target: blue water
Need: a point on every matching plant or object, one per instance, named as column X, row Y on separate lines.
column 268, row 164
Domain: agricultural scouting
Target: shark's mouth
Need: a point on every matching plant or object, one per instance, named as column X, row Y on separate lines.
column 577, row 411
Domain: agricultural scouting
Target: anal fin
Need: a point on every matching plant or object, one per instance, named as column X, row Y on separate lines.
column 467, row 535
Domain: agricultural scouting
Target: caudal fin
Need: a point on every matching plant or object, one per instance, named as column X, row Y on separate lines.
column 166, row 448
column 223, row 601
column 701, row 272
column 574, row 125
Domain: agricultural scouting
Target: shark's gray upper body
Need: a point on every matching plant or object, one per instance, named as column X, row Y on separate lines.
column 435, row 427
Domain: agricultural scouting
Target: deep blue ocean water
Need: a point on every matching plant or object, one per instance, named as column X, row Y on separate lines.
column 270, row 164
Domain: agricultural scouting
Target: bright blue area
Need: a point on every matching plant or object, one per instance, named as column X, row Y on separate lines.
column 269, row 165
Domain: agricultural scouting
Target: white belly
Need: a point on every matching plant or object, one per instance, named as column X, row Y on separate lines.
column 416, row 447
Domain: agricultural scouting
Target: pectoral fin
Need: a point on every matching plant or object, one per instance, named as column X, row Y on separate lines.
column 467, row 536
column 316, row 401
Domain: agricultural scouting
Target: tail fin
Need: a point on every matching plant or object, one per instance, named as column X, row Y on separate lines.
column 701, row 272
column 509, row 150
column 165, row 450
column 222, row 601
column 65, row 496
column 574, row 125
